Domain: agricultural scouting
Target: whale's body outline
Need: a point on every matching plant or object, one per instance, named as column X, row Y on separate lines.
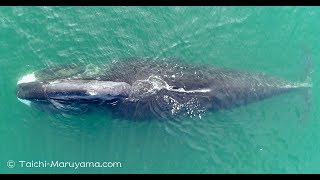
column 168, row 88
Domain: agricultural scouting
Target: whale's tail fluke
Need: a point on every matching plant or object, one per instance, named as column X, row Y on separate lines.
column 308, row 69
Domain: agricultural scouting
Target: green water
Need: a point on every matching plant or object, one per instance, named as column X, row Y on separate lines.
column 264, row 137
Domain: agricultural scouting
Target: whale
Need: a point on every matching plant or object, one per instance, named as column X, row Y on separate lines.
column 150, row 88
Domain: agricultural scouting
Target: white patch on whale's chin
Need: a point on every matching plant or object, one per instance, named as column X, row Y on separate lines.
column 27, row 102
column 27, row 78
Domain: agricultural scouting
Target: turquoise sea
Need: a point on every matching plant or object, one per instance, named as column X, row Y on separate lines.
column 263, row 137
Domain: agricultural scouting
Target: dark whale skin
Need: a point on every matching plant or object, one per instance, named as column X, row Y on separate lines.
column 167, row 88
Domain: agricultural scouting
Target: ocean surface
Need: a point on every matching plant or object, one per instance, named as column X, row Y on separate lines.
column 269, row 136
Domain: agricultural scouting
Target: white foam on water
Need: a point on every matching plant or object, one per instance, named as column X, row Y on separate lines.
column 298, row 85
column 190, row 91
column 158, row 84
column 92, row 93
column 308, row 85
column 27, row 78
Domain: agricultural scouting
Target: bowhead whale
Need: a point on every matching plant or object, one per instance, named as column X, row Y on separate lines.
column 149, row 88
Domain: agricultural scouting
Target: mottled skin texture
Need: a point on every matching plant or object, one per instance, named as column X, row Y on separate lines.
column 228, row 88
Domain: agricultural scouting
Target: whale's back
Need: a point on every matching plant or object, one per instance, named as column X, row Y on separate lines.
column 169, row 88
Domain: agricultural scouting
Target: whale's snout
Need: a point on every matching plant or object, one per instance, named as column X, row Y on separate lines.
column 31, row 91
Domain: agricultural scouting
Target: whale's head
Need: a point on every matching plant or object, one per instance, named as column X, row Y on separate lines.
column 30, row 89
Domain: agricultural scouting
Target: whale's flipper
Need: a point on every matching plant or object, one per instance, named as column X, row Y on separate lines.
column 69, row 107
